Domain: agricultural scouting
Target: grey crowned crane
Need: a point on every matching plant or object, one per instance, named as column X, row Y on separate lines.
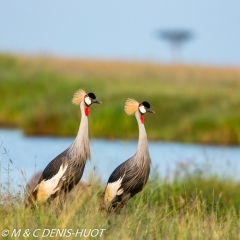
column 130, row 177
column 65, row 171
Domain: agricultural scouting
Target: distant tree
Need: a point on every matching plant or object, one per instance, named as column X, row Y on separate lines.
column 176, row 38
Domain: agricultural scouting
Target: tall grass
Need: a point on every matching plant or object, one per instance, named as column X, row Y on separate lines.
column 192, row 206
column 192, row 103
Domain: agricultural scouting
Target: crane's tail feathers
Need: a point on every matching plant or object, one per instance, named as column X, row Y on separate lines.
column 102, row 205
column 31, row 201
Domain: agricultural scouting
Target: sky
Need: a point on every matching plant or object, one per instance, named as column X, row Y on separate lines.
column 122, row 30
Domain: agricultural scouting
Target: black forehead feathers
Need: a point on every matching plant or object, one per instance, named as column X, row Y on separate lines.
column 91, row 95
column 146, row 104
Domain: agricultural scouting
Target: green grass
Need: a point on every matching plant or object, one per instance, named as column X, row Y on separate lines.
column 192, row 103
column 191, row 206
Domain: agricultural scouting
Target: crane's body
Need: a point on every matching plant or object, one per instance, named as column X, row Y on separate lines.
column 129, row 177
column 65, row 171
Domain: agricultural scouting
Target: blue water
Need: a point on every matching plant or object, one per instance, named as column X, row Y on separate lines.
column 32, row 154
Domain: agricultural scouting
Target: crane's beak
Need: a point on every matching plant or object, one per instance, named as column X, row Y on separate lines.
column 96, row 101
column 149, row 110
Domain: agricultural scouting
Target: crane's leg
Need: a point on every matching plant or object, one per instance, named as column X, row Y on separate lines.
column 125, row 209
column 62, row 200
column 124, row 202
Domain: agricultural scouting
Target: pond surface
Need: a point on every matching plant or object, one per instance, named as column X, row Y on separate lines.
column 32, row 154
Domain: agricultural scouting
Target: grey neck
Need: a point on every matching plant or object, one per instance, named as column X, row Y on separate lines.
column 142, row 153
column 80, row 150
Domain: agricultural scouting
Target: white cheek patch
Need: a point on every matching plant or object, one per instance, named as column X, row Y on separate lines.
column 87, row 100
column 48, row 187
column 142, row 109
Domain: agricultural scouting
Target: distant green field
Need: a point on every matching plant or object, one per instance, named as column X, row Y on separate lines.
column 192, row 103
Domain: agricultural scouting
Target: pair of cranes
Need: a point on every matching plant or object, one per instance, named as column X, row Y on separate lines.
column 64, row 172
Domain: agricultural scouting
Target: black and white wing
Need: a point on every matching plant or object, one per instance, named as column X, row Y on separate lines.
column 51, row 176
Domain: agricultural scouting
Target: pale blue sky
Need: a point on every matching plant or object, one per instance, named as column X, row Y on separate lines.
column 122, row 30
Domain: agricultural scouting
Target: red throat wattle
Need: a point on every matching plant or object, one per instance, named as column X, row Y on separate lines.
column 87, row 111
column 142, row 118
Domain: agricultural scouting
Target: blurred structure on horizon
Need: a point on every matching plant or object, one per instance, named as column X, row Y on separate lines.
column 176, row 38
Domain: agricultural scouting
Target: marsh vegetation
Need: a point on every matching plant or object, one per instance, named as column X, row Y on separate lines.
column 192, row 103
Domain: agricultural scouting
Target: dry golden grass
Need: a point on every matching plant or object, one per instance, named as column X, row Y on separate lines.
column 109, row 69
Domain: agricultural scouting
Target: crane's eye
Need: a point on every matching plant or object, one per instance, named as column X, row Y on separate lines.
column 87, row 100
column 142, row 109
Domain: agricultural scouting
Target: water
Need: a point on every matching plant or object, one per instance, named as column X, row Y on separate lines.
column 32, row 154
